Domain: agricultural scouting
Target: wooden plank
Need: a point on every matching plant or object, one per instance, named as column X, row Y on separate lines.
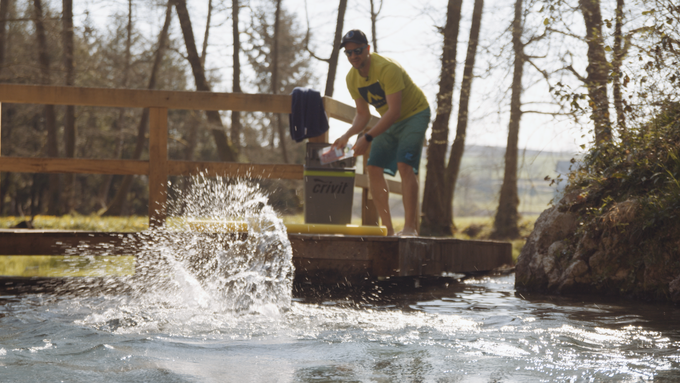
column 338, row 249
column 343, row 112
column 414, row 253
column 38, row 242
column 333, row 271
column 385, row 257
column 158, row 165
column 237, row 170
column 72, row 165
column 140, row 98
column 362, row 181
column 92, row 166
column 322, row 259
column 459, row 256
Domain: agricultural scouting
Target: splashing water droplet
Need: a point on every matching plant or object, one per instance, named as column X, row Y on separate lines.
column 183, row 274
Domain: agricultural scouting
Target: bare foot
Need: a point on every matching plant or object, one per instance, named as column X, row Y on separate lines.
column 407, row 233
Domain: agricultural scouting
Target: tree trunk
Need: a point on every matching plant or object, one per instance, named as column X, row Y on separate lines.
column 435, row 223
column 275, row 78
column 226, row 152
column 235, row 115
column 505, row 223
column 70, row 113
column 116, row 206
column 616, row 69
column 333, row 61
column 53, row 205
column 4, row 11
column 374, row 20
column 458, row 147
column 206, row 34
column 104, row 191
column 596, row 81
column 192, row 139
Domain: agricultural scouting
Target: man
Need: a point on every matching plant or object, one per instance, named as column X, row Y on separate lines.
column 397, row 139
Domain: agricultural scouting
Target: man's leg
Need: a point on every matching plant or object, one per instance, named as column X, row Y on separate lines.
column 380, row 196
column 409, row 194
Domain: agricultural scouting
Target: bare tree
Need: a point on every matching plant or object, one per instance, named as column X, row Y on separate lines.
column 619, row 53
column 127, row 64
column 374, row 20
column 335, row 53
column 224, row 148
column 4, row 11
column 70, row 113
column 236, row 81
column 275, row 77
column 48, row 110
column 116, row 206
column 458, row 147
column 434, row 197
column 507, row 216
column 597, row 70
column 206, row 34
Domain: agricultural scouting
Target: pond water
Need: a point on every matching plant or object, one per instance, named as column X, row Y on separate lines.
column 477, row 330
column 203, row 311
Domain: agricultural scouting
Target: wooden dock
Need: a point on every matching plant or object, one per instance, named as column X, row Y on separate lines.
column 318, row 259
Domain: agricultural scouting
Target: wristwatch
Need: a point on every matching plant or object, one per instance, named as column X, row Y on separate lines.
column 368, row 137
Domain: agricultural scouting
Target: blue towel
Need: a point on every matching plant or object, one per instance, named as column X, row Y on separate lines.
column 308, row 117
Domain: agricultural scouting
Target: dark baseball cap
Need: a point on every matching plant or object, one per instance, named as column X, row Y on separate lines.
column 354, row 36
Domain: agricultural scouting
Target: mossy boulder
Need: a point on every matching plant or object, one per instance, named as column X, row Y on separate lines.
column 617, row 230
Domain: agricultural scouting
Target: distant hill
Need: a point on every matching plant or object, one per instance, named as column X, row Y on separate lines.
column 481, row 176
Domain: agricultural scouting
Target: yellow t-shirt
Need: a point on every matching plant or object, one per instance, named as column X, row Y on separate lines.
column 386, row 76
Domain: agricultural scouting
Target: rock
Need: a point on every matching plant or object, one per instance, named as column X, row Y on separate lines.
column 606, row 257
column 536, row 265
column 621, row 274
column 597, row 262
column 572, row 275
column 23, row 225
column 674, row 289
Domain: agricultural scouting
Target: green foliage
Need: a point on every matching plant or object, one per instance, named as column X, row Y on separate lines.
column 643, row 166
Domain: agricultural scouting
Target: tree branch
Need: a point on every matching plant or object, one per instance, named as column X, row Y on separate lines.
column 328, row 60
column 566, row 34
column 554, row 114
column 578, row 76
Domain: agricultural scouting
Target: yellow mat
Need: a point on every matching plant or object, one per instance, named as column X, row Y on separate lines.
column 301, row 228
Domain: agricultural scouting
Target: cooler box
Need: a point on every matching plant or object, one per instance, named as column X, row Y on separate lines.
column 328, row 196
column 312, row 158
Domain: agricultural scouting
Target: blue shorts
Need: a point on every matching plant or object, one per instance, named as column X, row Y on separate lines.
column 402, row 142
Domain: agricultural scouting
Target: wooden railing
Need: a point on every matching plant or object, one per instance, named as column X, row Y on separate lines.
column 159, row 167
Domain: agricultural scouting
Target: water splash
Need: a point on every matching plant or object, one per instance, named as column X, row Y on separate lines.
column 183, row 275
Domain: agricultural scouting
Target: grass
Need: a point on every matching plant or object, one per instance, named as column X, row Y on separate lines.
column 81, row 222
column 64, row 266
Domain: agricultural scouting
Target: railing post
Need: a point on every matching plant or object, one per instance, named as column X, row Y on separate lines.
column 369, row 214
column 322, row 139
column 1, row 202
column 158, row 165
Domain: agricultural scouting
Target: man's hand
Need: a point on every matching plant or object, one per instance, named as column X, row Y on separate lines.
column 340, row 142
column 360, row 146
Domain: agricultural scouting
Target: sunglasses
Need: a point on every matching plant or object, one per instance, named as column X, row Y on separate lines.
column 356, row 51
